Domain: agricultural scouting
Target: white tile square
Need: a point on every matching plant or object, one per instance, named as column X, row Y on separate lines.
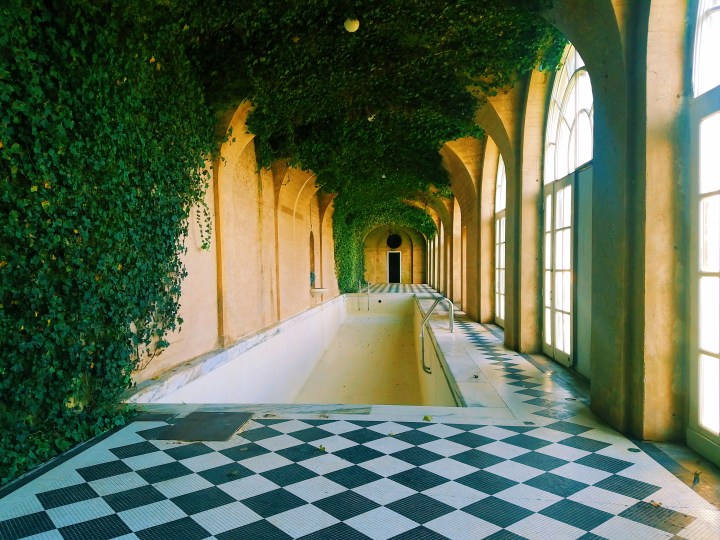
column 314, row 489
column 280, row 442
column 700, row 530
column 117, row 483
column 302, row 520
column 461, row 526
column 388, row 445
column 548, row 434
column 265, row 462
column 334, row 443
column 381, row 523
column 325, row 464
column 16, row 506
column 340, row 427
column 55, row 535
column 225, row 518
column 247, row 487
column 601, row 499
column 581, row 473
column 182, row 485
column 619, row 528
column 448, row 468
column 441, row 430
column 503, row 450
column 386, row 465
column 386, row 428
column 514, row 471
column 444, row 448
column 206, row 461
column 561, row 451
column 494, row 432
column 455, row 495
column 384, row 491
column 538, row 527
column 79, row 511
column 290, row 426
column 144, row 461
column 528, row 497
column 149, row 515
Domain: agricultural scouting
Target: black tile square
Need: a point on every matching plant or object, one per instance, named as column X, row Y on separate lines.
column 526, row 441
column 486, row 482
column 477, row 459
column 516, row 377
column 534, row 393
column 362, row 436
column 417, row 456
column 289, row 474
column 504, row 535
column 199, row 501
column 496, row 511
column 346, row 505
column 260, row 530
column 300, row 452
column 185, row 529
column 67, row 495
column 339, row 531
column 583, row 443
column 352, row 477
column 512, row 370
column 23, row 526
column 189, row 451
column 419, row 533
column 465, row 427
column 270, row 421
column 604, row 463
column 658, row 517
column 540, row 461
column 558, row 485
column 137, row 449
column 152, row 433
column 244, row 451
column 413, row 425
column 420, row 508
column 103, row 470
column 273, row 502
column 225, row 473
column 542, row 402
column 159, row 473
column 418, row 479
column 627, row 486
column 358, row 454
column 524, row 384
column 519, row 429
column 470, row 439
column 259, row 434
column 206, row 426
column 133, row 498
column 576, row 514
column 311, row 434
column 557, row 414
column 568, row 427
column 591, row 536
column 415, row 437
column 102, row 528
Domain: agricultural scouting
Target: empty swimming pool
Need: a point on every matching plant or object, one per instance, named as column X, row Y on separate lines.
column 338, row 352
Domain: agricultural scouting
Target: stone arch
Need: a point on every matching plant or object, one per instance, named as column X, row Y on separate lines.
column 412, row 250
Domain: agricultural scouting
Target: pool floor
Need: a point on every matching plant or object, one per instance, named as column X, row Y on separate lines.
column 370, row 361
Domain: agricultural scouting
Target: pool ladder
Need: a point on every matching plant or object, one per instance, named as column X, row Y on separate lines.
column 425, row 367
column 360, row 291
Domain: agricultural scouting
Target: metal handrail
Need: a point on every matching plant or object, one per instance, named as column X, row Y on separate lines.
column 360, row 292
column 427, row 369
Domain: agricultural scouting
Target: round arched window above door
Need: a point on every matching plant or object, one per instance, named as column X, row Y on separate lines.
column 394, row 241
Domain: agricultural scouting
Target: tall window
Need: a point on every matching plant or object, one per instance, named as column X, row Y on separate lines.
column 568, row 146
column 705, row 121
column 500, row 199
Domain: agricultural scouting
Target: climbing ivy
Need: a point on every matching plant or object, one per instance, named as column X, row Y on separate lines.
column 103, row 130
column 107, row 111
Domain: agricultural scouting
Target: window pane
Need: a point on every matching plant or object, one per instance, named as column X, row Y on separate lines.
column 710, row 154
column 566, row 249
column 548, row 212
column 559, row 297
column 559, row 208
column 710, row 234
column 548, row 250
column 707, row 67
column 548, row 289
column 559, row 249
column 566, row 292
column 547, row 329
column 559, row 338
column 567, row 207
column 584, row 136
column 710, row 314
column 710, row 393
column 566, row 334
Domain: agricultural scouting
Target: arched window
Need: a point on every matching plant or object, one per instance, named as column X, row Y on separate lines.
column 704, row 429
column 568, row 146
column 313, row 277
column 500, row 199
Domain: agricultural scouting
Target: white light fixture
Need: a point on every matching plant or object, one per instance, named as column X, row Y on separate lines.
column 351, row 25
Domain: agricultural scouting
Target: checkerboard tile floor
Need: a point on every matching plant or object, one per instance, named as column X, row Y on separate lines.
column 351, row 478
column 555, row 473
column 383, row 288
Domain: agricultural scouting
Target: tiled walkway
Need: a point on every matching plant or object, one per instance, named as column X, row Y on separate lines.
column 553, row 472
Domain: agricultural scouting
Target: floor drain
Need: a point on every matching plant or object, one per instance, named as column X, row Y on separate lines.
column 636, row 450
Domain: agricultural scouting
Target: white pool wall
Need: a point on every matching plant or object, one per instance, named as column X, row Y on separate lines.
column 270, row 366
